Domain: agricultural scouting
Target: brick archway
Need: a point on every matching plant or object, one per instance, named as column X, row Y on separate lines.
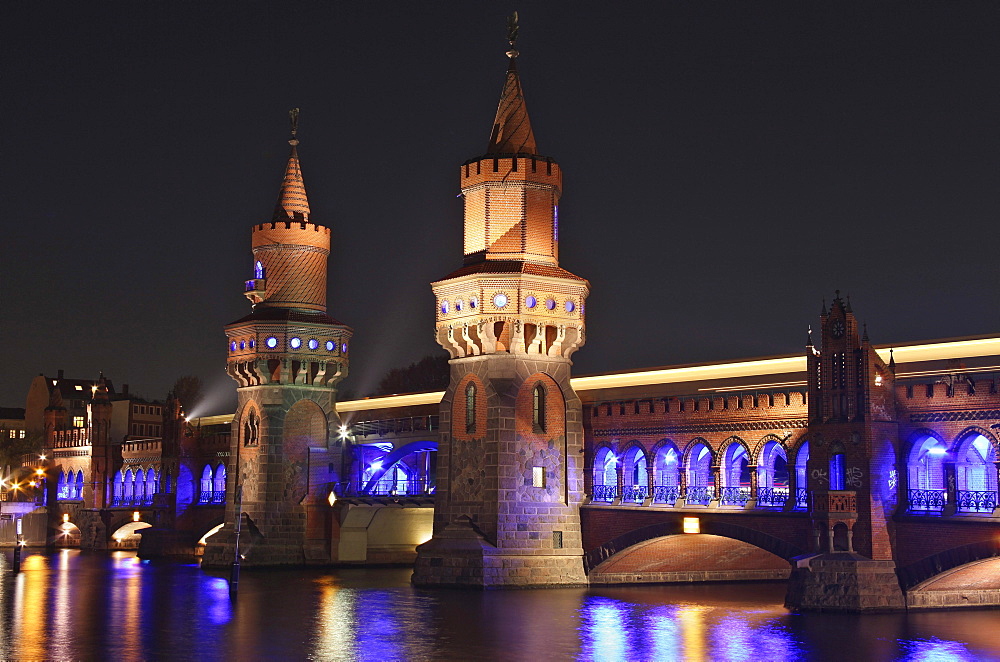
column 927, row 568
column 768, row 543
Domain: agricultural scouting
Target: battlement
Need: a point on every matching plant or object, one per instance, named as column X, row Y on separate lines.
column 743, row 406
column 74, row 438
column 294, row 233
column 511, row 169
column 956, row 392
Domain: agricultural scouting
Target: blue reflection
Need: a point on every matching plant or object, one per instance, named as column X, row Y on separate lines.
column 219, row 609
column 935, row 650
column 604, row 632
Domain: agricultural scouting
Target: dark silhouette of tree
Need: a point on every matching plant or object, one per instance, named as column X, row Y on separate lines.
column 430, row 373
column 11, row 450
column 189, row 391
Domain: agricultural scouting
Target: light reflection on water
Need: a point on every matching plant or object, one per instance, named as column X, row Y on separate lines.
column 71, row 605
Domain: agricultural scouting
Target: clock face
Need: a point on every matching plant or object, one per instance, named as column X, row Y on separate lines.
column 838, row 329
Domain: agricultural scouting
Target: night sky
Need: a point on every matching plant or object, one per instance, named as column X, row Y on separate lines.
column 727, row 165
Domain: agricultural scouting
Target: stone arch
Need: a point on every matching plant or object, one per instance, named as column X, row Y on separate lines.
column 915, row 574
column 305, row 426
column 974, row 430
column 765, row 541
column 762, row 443
column 924, row 457
column 207, row 528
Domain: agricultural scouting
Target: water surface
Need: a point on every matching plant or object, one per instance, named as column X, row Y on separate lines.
column 78, row 605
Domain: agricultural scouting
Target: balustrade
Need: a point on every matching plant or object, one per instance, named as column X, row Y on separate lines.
column 734, row 496
column 667, row 494
column 972, row 501
column 209, row 497
column 699, row 495
column 928, row 500
column 605, row 492
column 801, row 498
column 772, row 496
column 634, row 493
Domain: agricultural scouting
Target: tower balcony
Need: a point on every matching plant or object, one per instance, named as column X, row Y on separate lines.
column 256, row 290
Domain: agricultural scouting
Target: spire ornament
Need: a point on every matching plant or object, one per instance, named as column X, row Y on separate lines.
column 512, row 28
column 293, row 118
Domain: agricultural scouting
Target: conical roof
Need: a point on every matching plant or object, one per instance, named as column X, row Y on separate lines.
column 512, row 132
column 292, row 201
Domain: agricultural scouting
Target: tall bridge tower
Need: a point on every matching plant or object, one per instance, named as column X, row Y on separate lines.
column 287, row 357
column 510, row 475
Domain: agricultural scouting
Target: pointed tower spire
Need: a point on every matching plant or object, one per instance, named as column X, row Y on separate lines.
column 512, row 132
column 892, row 362
column 293, row 205
column 809, row 336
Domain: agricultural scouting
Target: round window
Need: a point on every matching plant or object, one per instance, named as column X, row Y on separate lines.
column 499, row 299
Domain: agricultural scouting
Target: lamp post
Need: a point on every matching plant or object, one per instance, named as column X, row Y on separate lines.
column 234, row 575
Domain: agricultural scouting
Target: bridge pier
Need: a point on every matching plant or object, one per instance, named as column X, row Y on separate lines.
column 844, row 581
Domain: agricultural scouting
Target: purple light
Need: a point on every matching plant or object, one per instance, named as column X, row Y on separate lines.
column 329, row 345
column 271, row 342
column 313, row 343
column 530, row 301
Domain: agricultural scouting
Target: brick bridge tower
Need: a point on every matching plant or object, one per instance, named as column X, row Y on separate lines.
column 287, row 357
column 510, row 474
column 852, row 471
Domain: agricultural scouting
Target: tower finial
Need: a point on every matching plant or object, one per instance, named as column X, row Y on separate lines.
column 512, row 35
column 293, row 118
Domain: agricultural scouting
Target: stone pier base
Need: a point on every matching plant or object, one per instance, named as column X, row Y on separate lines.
column 844, row 581
column 166, row 543
column 460, row 557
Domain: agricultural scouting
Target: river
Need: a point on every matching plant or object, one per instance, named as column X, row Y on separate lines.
column 77, row 605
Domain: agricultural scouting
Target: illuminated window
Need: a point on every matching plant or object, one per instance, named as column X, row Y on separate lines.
column 538, row 408
column 530, row 301
column 838, row 468
column 79, row 388
column 313, row 344
column 271, row 342
column 329, row 345
column 295, row 343
column 470, row 408
column 78, row 421
column 258, row 270
column 538, row 476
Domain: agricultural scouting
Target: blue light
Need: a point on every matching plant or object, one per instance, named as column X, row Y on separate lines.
column 232, row 346
column 271, row 342
column 252, row 343
column 550, row 304
column 258, row 270
column 313, row 343
column 570, row 306
column 243, row 344
column 295, row 343
column 329, row 345
column 343, row 348
column 530, row 301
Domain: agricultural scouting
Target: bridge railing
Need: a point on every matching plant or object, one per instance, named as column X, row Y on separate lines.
column 634, row 493
column 212, row 497
column 772, row 496
column 667, row 494
column 976, row 501
column 734, row 496
column 699, row 495
column 414, row 487
column 122, row 501
column 928, row 501
column 606, row 493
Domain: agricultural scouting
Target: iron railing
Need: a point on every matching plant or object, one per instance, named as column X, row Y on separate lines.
column 772, row 496
column 734, row 496
column 700, row 495
column 605, row 492
column 928, row 500
column 634, row 493
column 976, row 501
column 667, row 494
column 801, row 498
column 212, row 497
column 121, row 501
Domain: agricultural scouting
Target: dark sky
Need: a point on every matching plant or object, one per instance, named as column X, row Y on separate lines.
column 727, row 165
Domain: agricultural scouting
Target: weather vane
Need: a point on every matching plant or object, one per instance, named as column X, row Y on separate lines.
column 293, row 117
column 512, row 34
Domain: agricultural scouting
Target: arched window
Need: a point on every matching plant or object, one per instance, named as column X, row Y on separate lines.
column 699, row 475
column 258, row 270
column 538, row 408
column 470, row 408
column 925, row 472
column 838, row 471
column 802, row 476
column 206, row 485
column 78, row 492
column 976, row 475
column 119, row 488
column 636, row 483
column 605, row 475
column 150, row 485
column 666, row 476
column 772, row 475
column 62, row 489
column 251, row 429
column 219, row 485
column 735, row 476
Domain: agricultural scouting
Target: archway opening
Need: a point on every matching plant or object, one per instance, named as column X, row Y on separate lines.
column 687, row 557
column 666, row 488
column 605, row 475
column 700, row 480
column 735, row 476
column 772, row 475
column 925, row 471
column 976, row 475
column 128, row 536
column 635, row 483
